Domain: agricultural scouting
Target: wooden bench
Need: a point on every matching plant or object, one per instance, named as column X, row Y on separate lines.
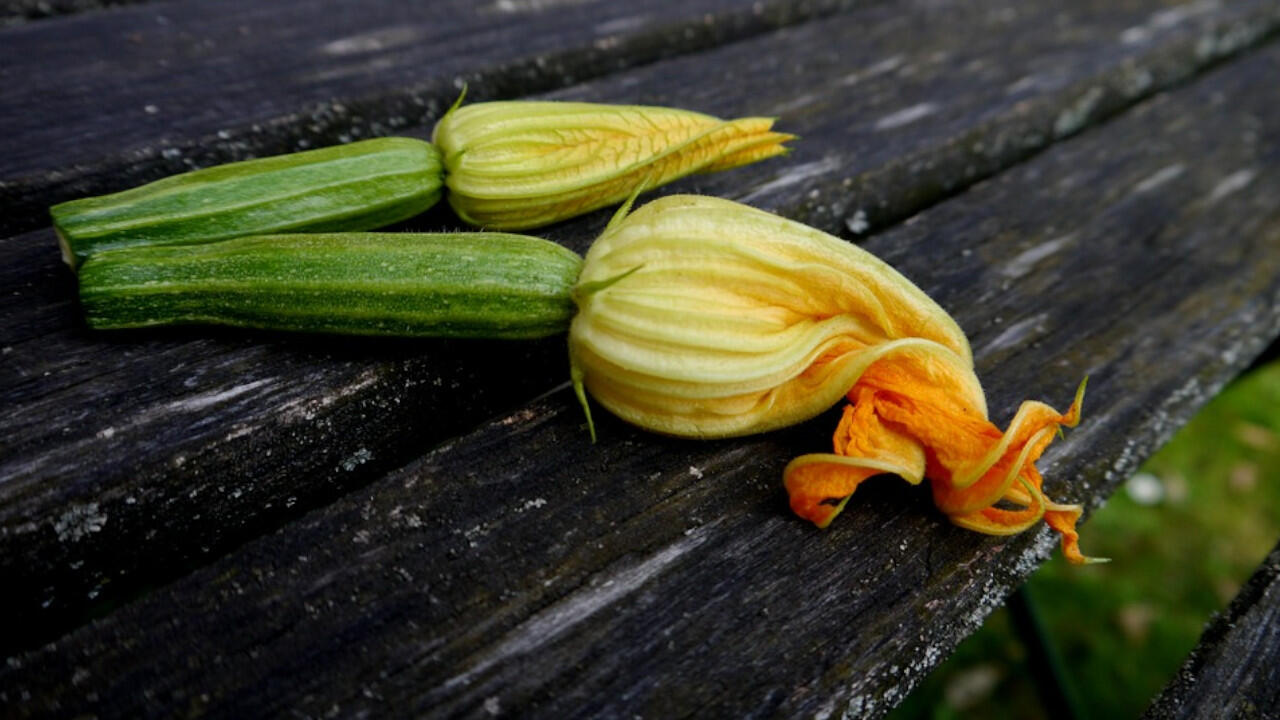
column 239, row 524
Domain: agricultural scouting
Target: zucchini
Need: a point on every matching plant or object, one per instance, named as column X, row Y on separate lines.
column 470, row 285
column 360, row 186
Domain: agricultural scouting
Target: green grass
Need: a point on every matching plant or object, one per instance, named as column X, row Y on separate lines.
column 1211, row 514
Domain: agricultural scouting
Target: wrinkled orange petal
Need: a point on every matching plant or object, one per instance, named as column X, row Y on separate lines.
column 1062, row 518
column 820, row 484
column 982, row 478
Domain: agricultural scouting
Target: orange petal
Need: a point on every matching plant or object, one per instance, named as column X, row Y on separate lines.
column 1030, row 419
column 903, row 417
column 997, row 521
column 820, row 484
column 1062, row 518
column 997, row 483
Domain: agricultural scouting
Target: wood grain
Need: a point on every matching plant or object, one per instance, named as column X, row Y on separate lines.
column 13, row 12
column 128, row 96
column 1234, row 671
column 134, row 457
column 521, row 570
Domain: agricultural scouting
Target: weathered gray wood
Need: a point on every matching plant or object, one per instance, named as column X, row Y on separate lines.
column 132, row 457
column 1234, row 671
column 933, row 97
column 17, row 11
column 131, row 95
column 521, row 570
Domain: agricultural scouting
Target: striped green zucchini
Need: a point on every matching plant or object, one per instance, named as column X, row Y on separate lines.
column 360, row 186
column 476, row 285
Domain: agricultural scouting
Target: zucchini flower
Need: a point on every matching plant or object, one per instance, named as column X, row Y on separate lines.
column 518, row 165
column 701, row 317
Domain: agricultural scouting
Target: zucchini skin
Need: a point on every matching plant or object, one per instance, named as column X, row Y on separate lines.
column 461, row 285
column 360, row 186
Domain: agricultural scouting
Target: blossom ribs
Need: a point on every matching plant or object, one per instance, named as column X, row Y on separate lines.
column 518, row 165
column 701, row 317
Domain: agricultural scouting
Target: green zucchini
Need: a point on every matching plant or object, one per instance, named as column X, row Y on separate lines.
column 473, row 285
column 360, row 186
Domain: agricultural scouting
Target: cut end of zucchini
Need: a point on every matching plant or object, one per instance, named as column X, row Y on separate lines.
column 68, row 256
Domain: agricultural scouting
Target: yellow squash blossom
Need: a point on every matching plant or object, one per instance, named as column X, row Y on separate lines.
column 518, row 165
column 701, row 317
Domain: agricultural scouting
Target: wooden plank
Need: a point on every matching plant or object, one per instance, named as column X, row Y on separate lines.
column 13, row 12
column 521, row 570
column 133, row 457
column 132, row 95
column 1234, row 671
column 912, row 113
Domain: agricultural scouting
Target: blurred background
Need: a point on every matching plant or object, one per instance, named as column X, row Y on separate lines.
column 1183, row 534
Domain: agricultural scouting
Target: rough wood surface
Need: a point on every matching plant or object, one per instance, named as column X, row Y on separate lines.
column 131, row 95
column 520, row 570
column 17, row 11
column 1234, row 672
column 134, row 457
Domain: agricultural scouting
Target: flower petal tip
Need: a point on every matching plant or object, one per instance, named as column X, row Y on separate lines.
column 817, row 509
column 1071, row 417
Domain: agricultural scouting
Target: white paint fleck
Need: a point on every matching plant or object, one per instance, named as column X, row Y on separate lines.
column 200, row 402
column 887, row 65
column 906, row 116
column 1025, row 261
column 359, row 457
column 797, row 175
column 1070, row 120
column 1206, row 47
column 306, row 408
column 1166, row 19
column 1178, row 14
column 1015, row 334
column 79, row 521
column 521, row 416
column 566, row 614
column 1038, row 552
column 492, row 706
column 1135, row 35
column 1234, row 182
column 795, row 104
column 237, row 432
column 1160, row 177
column 372, row 41
column 1029, row 82
column 1230, row 41
column 695, row 471
column 150, row 109
column 1139, row 82
column 533, row 504
column 107, row 433
column 474, row 532
column 624, row 24
column 858, row 223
